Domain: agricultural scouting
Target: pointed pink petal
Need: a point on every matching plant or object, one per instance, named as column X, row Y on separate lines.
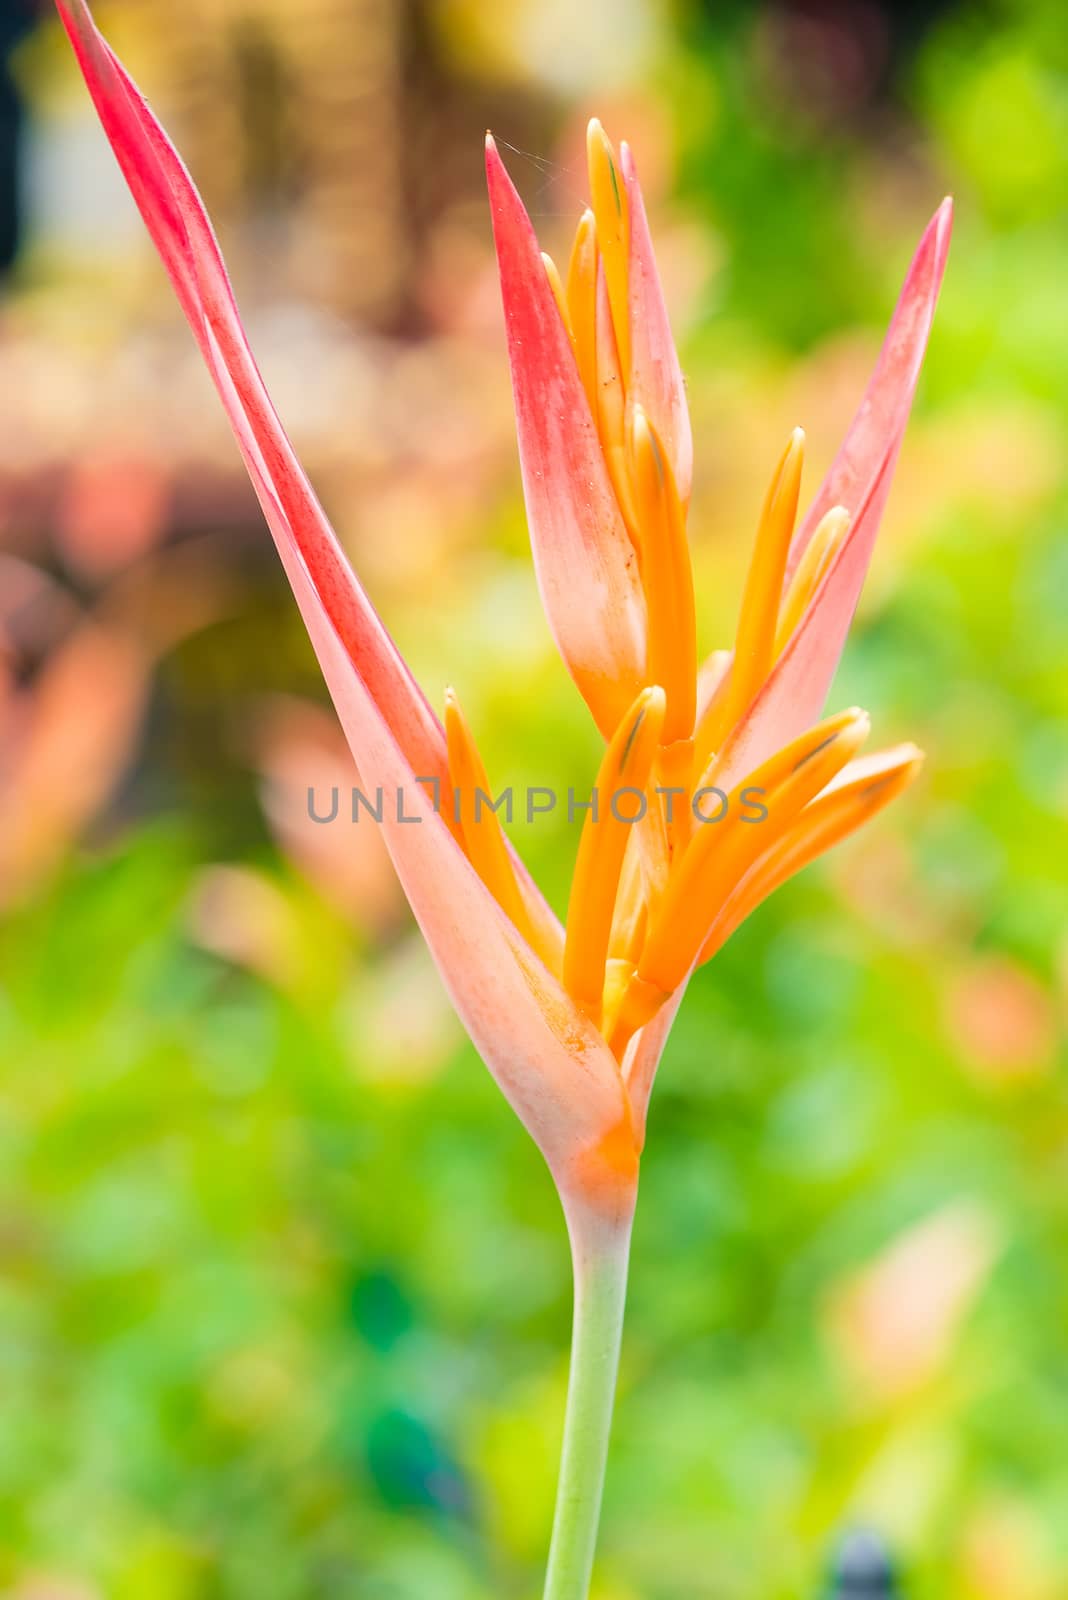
column 641, row 1064
column 655, row 377
column 551, row 1063
column 859, row 479
column 182, row 233
column 876, row 431
column 585, row 562
column 179, row 226
column 555, row 1069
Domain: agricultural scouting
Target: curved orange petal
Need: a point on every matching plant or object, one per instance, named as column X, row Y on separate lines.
column 864, row 786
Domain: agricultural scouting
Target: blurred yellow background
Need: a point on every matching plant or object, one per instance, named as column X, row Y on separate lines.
column 284, row 1295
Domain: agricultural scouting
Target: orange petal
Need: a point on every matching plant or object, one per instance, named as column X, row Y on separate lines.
column 858, row 792
column 667, row 577
column 754, row 649
column 720, row 853
column 809, row 573
column 611, row 211
column 624, row 772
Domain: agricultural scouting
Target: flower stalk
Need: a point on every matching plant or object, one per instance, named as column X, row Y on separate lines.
column 600, row 1253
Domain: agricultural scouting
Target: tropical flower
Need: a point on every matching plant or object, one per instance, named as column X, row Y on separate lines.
column 572, row 1020
column 607, row 459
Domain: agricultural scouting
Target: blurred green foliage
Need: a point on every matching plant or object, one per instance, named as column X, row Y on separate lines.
column 280, row 1317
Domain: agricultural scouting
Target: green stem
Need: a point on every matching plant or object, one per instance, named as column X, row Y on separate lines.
column 600, row 1253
